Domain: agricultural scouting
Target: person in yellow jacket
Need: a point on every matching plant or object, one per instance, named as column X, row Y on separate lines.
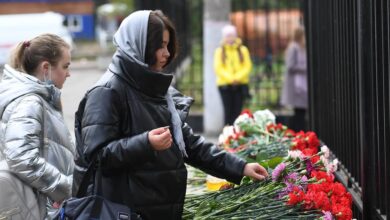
column 232, row 65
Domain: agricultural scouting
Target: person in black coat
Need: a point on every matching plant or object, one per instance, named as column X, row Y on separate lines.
column 135, row 121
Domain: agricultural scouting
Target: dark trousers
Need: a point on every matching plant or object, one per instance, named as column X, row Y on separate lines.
column 298, row 121
column 233, row 101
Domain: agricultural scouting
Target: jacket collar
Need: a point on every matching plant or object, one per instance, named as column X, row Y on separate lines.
column 182, row 103
column 16, row 84
column 151, row 83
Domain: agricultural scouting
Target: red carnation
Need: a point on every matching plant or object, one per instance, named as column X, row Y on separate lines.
column 308, row 201
column 341, row 212
column 296, row 196
column 315, row 159
column 338, row 189
column 248, row 112
column 298, row 144
column 319, row 175
column 321, row 201
column 312, row 139
column 289, row 133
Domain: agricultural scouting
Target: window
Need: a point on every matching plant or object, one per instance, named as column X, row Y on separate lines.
column 74, row 23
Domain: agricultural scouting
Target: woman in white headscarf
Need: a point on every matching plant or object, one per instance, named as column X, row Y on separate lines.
column 136, row 121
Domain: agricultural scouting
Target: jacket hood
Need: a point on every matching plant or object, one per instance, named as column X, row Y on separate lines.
column 131, row 36
column 15, row 84
column 153, row 84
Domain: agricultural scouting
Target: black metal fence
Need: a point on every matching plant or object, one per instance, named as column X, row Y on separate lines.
column 266, row 27
column 349, row 87
column 187, row 17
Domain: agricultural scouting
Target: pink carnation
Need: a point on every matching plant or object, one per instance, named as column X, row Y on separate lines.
column 278, row 171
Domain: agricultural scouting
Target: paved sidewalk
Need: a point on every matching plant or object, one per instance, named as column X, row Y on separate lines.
column 83, row 64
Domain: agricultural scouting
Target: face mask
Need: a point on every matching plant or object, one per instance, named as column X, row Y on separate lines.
column 47, row 78
column 54, row 92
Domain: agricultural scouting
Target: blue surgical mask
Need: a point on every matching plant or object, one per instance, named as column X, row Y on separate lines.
column 47, row 79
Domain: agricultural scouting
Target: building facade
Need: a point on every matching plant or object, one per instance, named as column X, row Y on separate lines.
column 79, row 14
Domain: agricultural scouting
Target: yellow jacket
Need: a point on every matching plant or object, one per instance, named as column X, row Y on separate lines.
column 233, row 69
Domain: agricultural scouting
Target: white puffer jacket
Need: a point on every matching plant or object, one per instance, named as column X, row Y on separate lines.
column 35, row 144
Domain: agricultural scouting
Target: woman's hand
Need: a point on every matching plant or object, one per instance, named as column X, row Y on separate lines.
column 255, row 171
column 160, row 138
column 57, row 205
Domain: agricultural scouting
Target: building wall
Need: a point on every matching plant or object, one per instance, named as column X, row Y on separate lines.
column 78, row 13
column 68, row 7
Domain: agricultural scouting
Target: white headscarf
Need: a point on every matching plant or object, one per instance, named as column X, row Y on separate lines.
column 131, row 39
column 131, row 36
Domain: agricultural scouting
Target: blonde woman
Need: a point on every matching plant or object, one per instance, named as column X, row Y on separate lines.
column 294, row 92
column 36, row 151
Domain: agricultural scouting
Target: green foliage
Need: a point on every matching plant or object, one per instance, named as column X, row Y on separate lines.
column 273, row 162
column 128, row 3
column 191, row 82
column 265, row 84
column 264, row 87
column 251, row 200
column 196, row 10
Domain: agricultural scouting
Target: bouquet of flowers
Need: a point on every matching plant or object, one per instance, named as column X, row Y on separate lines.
column 255, row 137
column 302, row 181
column 299, row 187
column 323, row 194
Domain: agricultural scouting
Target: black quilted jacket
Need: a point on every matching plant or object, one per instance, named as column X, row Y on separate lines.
column 126, row 103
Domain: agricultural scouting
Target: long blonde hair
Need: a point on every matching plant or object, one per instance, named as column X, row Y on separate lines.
column 299, row 35
column 27, row 55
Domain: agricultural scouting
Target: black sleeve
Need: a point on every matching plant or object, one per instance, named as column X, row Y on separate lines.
column 209, row 158
column 101, row 130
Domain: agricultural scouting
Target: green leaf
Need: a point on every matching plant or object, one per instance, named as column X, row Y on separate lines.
column 261, row 156
column 273, row 162
column 246, row 180
column 264, row 164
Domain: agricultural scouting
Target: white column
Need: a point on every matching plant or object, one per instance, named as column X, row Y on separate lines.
column 216, row 15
